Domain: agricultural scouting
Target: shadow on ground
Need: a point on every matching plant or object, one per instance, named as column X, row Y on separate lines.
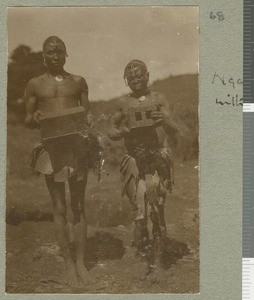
column 173, row 251
column 103, row 246
column 14, row 217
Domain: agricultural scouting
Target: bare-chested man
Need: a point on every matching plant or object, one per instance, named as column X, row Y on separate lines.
column 65, row 159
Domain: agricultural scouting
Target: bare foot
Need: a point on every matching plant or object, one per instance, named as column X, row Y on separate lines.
column 140, row 270
column 83, row 273
column 158, row 275
column 72, row 277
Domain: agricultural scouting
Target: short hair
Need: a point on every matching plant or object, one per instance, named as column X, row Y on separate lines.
column 132, row 64
column 53, row 38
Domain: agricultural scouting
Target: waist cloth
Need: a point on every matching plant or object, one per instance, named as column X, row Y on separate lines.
column 64, row 157
column 145, row 161
column 158, row 163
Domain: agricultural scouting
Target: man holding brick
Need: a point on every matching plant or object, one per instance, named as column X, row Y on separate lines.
column 64, row 159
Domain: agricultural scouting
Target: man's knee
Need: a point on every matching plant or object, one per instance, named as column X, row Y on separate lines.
column 78, row 211
column 154, row 216
column 60, row 210
column 129, row 175
column 77, row 191
column 76, row 208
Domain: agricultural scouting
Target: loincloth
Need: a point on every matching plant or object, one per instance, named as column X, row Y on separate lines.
column 162, row 173
column 64, row 157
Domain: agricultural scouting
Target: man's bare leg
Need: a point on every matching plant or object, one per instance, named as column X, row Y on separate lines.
column 141, row 268
column 159, row 235
column 77, row 191
column 57, row 193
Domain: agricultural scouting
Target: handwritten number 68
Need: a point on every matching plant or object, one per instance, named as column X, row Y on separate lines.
column 218, row 15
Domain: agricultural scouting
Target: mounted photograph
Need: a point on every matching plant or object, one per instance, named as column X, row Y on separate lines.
column 102, row 188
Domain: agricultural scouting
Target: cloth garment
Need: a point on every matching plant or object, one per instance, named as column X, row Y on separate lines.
column 158, row 164
column 65, row 157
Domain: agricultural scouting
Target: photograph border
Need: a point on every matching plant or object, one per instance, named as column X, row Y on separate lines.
column 220, row 158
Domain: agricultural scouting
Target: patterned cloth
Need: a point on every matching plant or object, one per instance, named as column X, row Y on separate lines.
column 159, row 165
column 65, row 157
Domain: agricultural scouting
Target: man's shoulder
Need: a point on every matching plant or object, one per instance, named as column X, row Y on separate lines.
column 156, row 95
column 35, row 80
column 126, row 101
column 159, row 98
column 76, row 78
column 38, row 78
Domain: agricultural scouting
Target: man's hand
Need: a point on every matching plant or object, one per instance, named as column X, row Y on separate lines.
column 90, row 120
column 124, row 129
column 158, row 116
column 36, row 116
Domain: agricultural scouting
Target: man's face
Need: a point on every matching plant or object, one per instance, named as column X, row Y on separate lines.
column 137, row 78
column 54, row 54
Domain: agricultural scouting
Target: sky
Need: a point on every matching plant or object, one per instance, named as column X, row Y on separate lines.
column 100, row 41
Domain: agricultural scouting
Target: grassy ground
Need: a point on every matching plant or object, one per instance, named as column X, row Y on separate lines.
column 33, row 263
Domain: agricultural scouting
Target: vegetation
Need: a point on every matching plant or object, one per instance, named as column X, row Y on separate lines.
column 24, row 64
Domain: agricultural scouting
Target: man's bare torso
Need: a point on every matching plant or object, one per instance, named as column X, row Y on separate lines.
column 54, row 94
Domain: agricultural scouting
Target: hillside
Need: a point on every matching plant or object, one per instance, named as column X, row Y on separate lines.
column 179, row 90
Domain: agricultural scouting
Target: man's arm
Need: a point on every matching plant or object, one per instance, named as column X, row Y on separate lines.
column 117, row 130
column 84, row 101
column 32, row 115
column 164, row 117
column 169, row 125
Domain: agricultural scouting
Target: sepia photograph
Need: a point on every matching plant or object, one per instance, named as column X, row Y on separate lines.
column 102, row 188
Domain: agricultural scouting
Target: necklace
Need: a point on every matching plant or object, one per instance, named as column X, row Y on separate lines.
column 142, row 98
column 58, row 78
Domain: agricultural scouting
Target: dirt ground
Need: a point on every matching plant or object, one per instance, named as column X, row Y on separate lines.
column 33, row 260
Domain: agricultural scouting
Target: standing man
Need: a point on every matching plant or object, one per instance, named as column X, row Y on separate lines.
column 65, row 159
column 143, row 121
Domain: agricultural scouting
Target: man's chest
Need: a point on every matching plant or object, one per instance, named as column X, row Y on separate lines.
column 137, row 112
column 139, row 103
column 52, row 88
